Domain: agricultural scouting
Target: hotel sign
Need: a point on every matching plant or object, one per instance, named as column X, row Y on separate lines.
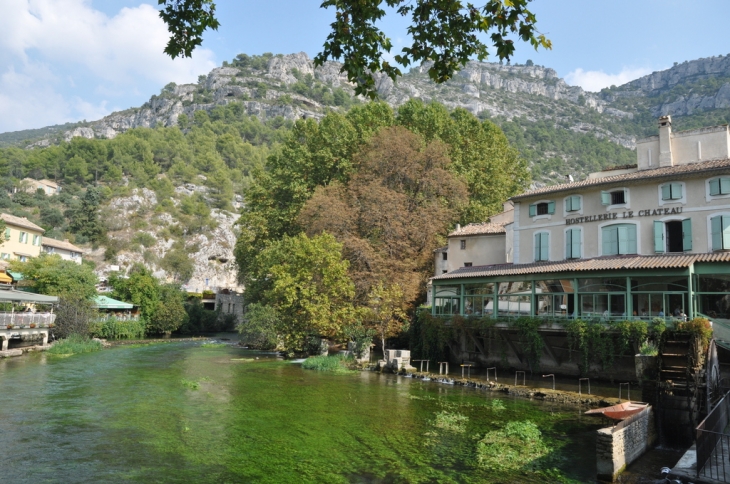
column 623, row 215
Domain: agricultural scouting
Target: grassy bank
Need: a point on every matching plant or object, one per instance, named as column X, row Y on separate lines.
column 74, row 345
column 332, row 364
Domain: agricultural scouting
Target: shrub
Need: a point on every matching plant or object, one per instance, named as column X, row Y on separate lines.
column 114, row 328
column 73, row 317
column 648, row 349
column 75, row 344
column 333, row 364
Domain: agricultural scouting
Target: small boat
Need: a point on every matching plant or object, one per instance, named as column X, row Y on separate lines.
column 620, row 411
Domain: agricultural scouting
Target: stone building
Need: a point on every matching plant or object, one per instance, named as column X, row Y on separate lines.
column 229, row 302
column 22, row 238
column 645, row 240
column 63, row 248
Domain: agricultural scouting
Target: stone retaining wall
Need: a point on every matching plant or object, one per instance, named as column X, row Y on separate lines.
column 617, row 447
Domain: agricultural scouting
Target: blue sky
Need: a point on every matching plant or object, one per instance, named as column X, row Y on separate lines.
column 67, row 60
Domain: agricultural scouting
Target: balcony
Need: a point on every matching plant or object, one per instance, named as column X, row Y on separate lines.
column 26, row 320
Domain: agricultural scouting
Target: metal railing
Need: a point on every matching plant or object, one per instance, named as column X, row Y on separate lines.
column 26, row 320
column 713, row 444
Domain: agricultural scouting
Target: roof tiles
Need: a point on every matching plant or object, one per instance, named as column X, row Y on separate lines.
column 485, row 228
column 667, row 171
column 670, row 261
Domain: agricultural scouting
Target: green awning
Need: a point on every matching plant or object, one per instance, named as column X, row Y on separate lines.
column 105, row 302
column 22, row 296
column 17, row 276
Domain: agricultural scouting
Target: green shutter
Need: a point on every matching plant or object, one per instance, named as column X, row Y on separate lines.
column 715, row 186
column 724, row 186
column 687, row 235
column 716, row 228
column 610, row 241
column 605, row 198
column 568, row 244
column 20, row 237
column 545, row 247
column 572, row 203
column 551, row 208
column 575, row 251
column 667, row 191
column 533, row 210
column 725, row 231
column 7, row 234
column 676, row 191
column 537, row 247
column 627, row 239
column 659, row 234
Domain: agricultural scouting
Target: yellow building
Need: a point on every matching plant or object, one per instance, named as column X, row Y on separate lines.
column 22, row 238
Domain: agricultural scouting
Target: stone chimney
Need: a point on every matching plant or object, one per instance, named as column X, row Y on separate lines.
column 665, row 141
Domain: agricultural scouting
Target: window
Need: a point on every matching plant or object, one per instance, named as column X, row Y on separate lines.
column 672, row 191
column 36, row 240
column 616, row 197
column 720, row 227
column 445, row 256
column 720, row 186
column 22, row 258
column 542, row 246
column 572, row 244
column 673, row 236
column 23, row 239
column 542, row 208
column 7, row 234
column 5, row 256
column 463, row 244
column 572, row 203
column 467, row 264
column 444, row 271
column 619, row 239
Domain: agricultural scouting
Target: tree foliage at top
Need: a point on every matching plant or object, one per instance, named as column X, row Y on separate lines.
column 51, row 275
column 445, row 32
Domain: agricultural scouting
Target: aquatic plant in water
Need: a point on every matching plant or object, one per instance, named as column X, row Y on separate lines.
column 192, row 385
column 213, row 345
column 333, row 364
column 517, row 446
column 453, row 422
column 497, row 405
column 74, row 345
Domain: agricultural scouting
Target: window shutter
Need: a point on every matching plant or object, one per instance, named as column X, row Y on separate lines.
column 575, row 251
column 569, row 204
column 537, row 247
column 533, row 210
column 605, row 198
column 724, row 185
column 627, row 239
column 609, row 241
column 575, row 202
column 20, row 237
column 551, row 208
column 545, row 247
column 715, row 186
column 631, row 239
column 725, row 231
column 676, row 191
column 716, row 228
column 667, row 191
column 687, row 235
column 7, row 234
column 659, row 235
column 568, row 244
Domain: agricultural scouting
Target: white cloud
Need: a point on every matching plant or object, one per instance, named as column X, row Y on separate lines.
column 61, row 59
column 594, row 81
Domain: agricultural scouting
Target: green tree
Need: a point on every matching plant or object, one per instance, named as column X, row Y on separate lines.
column 140, row 289
column 49, row 274
column 178, row 264
column 259, row 326
column 386, row 312
column 169, row 313
column 85, row 219
column 305, row 281
column 447, row 32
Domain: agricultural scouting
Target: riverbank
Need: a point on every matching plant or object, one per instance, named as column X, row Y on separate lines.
column 541, row 394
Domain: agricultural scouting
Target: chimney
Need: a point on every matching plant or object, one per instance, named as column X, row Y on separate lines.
column 458, row 226
column 665, row 141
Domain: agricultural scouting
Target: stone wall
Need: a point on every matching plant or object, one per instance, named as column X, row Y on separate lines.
column 618, row 447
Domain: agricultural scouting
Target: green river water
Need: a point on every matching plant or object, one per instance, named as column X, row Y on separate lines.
column 182, row 412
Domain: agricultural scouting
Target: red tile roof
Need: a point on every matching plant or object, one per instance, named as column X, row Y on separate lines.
column 20, row 222
column 670, row 172
column 668, row 261
column 485, row 228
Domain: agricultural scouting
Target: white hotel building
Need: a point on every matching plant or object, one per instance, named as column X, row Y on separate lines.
column 644, row 240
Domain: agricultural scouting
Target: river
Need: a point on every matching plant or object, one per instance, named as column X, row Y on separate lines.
column 189, row 412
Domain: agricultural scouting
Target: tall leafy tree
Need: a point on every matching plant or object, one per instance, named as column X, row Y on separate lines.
column 446, row 32
column 305, row 281
column 49, row 274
